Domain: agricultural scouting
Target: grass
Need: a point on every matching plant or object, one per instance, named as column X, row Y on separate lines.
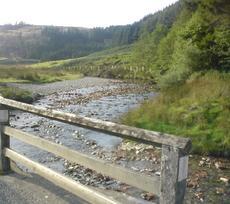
column 25, row 74
column 111, row 63
column 199, row 109
column 16, row 94
column 50, row 64
column 87, row 59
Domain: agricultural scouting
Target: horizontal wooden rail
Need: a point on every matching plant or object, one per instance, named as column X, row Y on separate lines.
column 147, row 183
column 123, row 131
column 64, row 182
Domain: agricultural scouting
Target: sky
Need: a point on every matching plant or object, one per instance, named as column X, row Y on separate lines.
column 78, row 13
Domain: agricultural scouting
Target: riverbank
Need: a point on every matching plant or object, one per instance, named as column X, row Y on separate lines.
column 108, row 100
column 17, row 94
column 198, row 109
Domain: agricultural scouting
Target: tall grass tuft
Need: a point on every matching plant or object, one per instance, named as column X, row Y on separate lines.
column 35, row 75
column 16, row 94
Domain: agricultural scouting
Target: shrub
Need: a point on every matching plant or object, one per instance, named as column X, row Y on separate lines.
column 16, row 94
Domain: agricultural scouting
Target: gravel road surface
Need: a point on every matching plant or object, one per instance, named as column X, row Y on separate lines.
column 19, row 189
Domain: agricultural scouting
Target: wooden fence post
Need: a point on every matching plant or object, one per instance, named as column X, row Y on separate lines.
column 174, row 169
column 4, row 140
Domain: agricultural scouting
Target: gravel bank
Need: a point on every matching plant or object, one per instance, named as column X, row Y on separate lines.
column 46, row 89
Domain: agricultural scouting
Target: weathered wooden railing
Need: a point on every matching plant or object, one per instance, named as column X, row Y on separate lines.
column 169, row 186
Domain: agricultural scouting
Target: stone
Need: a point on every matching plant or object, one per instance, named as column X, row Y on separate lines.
column 225, row 180
column 35, row 126
column 148, row 196
column 219, row 191
column 158, row 173
column 201, row 163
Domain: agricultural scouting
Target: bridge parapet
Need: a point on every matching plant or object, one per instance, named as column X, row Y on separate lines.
column 170, row 186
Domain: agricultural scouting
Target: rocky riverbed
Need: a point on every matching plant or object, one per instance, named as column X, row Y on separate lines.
column 106, row 99
column 102, row 99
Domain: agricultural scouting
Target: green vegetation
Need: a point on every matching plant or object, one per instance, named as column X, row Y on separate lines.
column 16, row 94
column 26, row 74
column 110, row 63
column 198, row 109
column 190, row 64
column 199, row 40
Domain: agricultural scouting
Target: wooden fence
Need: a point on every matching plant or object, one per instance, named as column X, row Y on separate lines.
column 170, row 186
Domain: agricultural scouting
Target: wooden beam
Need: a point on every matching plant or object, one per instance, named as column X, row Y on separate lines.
column 123, row 131
column 147, row 183
column 4, row 140
column 64, row 182
column 174, row 170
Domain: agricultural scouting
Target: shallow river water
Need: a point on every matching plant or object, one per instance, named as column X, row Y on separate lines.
column 108, row 107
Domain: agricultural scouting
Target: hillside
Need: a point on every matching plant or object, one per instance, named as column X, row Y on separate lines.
column 52, row 43
column 190, row 62
column 199, row 40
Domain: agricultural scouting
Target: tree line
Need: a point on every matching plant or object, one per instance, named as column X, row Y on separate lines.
column 51, row 43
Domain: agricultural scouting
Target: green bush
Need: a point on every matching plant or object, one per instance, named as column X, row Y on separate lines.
column 16, row 94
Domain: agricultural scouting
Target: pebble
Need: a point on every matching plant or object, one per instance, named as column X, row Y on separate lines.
column 70, row 168
column 134, row 168
column 158, row 173
column 94, row 147
column 201, row 163
column 148, row 196
column 35, row 126
column 219, row 191
column 220, row 165
column 199, row 195
column 225, row 180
